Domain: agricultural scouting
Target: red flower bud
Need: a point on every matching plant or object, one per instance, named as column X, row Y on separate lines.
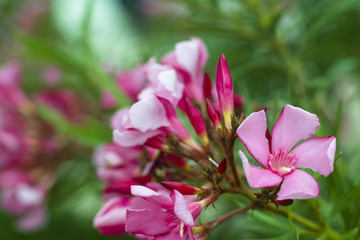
column 156, row 142
column 222, row 167
column 238, row 101
column 177, row 161
column 182, row 188
column 207, row 86
column 285, row 202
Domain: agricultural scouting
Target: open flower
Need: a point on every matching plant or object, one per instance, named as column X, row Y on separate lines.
column 280, row 158
column 188, row 59
column 162, row 214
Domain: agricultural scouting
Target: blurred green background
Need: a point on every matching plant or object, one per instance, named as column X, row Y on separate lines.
column 300, row 52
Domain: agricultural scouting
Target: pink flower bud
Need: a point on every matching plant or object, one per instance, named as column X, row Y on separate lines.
column 196, row 121
column 214, row 115
column 175, row 125
column 182, row 188
column 224, row 87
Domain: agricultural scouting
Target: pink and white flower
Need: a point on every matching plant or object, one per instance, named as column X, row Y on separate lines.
column 115, row 162
column 21, row 197
column 163, row 214
column 278, row 156
column 110, row 220
column 189, row 59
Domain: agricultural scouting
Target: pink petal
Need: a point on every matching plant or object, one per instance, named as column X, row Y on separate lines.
column 258, row 177
column 173, row 235
column 181, row 210
column 149, row 222
column 298, row 185
column 156, row 194
column 142, row 191
column 33, row 220
column 294, row 124
column 187, row 54
column 110, row 219
column 148, row 114
column 317, row 154
column 252, row 133
column 132, row 137
column 120, row 120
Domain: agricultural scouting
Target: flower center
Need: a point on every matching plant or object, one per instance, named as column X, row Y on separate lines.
column 282, row 162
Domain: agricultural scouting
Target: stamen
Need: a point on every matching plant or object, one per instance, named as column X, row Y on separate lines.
column 282, row 162
column 181, row 229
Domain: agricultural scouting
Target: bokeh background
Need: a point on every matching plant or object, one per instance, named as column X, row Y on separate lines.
column 300, row 52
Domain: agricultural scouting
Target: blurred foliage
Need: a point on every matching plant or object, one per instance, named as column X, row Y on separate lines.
column 299, row 52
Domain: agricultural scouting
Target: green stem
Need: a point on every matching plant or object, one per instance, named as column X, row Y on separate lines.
column 231, row 160
column 280, row 211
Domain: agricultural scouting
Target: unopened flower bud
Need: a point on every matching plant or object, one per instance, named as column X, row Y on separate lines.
column 196, row 121
column 222, row 167
column 207, row 86
column 182, row 188
column 285, row 202
column 214, row 115
column 225, row 90
column 177, row 161
column 157, row 142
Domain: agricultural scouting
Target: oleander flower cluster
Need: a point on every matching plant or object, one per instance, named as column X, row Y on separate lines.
column 28, row 147
column 181, row 129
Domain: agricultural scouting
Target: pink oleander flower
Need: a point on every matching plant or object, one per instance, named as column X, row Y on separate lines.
column 164, row 83
column 279, row 157
column 225, row 91
column 62, row 101
column 162, row 214
column 110, row 220
column 115, row 162
column 20, row 197
column 133, row 82
column 143, row 120
column 189, row 59
column 11, row 95
column 13, row 147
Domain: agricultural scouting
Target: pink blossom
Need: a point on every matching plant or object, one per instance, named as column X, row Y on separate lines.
column 140, row 122
column 162, row 214
column 133, row 82
column 110, row 220
column 21, row 197
column 115, row 162
column 188, row 59
column 13, row 147
column 280, row 158
column 62, row 101
column 11, row 95
column 164, row 83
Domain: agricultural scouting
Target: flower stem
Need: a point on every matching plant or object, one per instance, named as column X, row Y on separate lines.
column 281, row 211
column 214, row 223
column 230, row 158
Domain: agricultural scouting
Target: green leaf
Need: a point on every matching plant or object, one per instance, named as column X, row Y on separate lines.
column 345, row 199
